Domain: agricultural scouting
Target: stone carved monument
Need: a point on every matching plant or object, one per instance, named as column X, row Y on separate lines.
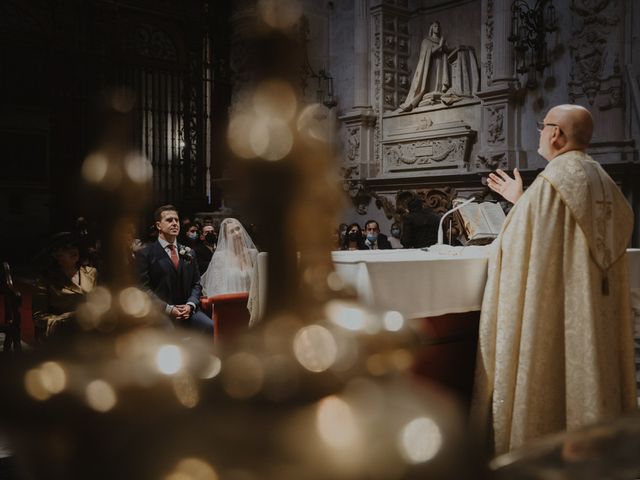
column 442, row 75
column 428, row 134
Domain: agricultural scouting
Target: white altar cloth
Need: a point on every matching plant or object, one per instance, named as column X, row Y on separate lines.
column 423, row 284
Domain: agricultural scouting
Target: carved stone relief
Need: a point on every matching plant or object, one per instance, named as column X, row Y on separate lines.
column 495, row 124
column 492, row 161
column 349, row 173
column 595, row 68
column 353, row 144
column 488, row 45
column 435, row 153
column 377, row 81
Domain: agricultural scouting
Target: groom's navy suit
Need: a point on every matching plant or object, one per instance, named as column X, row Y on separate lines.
column 169, row 286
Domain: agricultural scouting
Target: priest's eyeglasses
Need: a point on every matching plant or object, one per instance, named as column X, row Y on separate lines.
column 541, row 125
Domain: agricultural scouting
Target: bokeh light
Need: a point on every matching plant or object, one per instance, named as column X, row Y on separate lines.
column 192, row 469
column 239, row 126
column 101, row 396
column 169, row 359
column 315, row 348
column 401, row 359
column 138, row 168
column 314, row 121
column 275, row 99
column 134, row 302
column 346, row 315
column 420, row 440
column 186, row 390
column 376, row 364
column 243, row 375
column 212, row 368
column 270, row 139
column 53, row 377
column 393, row 321
column 280, row 14
column 94, row 167
column 335, row 282
column 90, row 313
column 34, row 385
column 336, row 423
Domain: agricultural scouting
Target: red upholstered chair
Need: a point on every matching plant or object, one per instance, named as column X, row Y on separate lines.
column 230, row 313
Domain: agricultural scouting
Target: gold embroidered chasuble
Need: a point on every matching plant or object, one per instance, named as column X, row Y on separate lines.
column 555, row 347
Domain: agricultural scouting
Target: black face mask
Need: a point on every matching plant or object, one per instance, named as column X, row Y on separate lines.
column 210, row 238
column 354, row 236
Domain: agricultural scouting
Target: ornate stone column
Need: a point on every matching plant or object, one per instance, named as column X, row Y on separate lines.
column 499, row 141
column 359, row 122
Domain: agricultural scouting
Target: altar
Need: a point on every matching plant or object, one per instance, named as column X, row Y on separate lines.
column 420, row 283
column 441, row 295
column 415, row 282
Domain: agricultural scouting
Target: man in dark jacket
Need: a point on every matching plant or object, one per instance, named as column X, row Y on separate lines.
column 374, row 240
column 169, row 273
column 420, row 226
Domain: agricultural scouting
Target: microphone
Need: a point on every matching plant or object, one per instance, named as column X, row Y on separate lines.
column 440, row 229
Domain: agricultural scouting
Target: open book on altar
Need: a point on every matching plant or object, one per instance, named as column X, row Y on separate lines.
column 481, row 222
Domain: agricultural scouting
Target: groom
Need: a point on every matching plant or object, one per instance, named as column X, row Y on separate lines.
column 169, row 273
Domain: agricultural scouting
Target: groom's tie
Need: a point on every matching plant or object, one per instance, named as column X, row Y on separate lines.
column 174, row 255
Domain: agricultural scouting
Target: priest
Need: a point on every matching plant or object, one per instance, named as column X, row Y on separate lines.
column 555, row 345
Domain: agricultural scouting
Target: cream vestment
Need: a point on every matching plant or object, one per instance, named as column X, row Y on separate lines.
column 555, row 347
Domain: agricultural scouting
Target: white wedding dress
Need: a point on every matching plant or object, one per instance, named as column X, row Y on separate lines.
column 234, row 266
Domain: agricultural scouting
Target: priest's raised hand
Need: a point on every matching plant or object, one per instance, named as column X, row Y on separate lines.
column 510, row 188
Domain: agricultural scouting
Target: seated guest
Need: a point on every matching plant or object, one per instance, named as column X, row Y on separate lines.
column 169, row 274
column 353, row 240
column 342, row 232
column 88, row 243
column 61, row 287
column 233, row 267
column 209, row 238
column 194, row 240
column 420, row 226
column 394, row 239
column 374, row 239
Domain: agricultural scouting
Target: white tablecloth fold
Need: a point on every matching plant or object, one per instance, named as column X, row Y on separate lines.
column 421, row 284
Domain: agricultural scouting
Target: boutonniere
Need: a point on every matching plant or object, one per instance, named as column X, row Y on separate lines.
column 186, row 252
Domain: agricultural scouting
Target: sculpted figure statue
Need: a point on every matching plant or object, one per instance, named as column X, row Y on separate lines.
column 442, row 75
column 432, row 74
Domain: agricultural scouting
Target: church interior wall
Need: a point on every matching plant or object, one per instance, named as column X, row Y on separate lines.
column 594, row 41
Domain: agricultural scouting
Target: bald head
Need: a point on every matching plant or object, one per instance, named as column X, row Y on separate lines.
column 576, row 123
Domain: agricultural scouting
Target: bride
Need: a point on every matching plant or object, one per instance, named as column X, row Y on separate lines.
column 233, row 266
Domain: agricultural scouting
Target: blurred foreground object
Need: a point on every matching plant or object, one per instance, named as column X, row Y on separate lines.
column 320, row 389
column 607, row 450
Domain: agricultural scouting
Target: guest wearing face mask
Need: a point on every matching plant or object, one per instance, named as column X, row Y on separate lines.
column 394, row 239
column 353, row 240
column 209, row 237
column 193, row 240
column 374, row 239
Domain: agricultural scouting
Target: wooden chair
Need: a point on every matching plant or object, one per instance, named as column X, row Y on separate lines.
column 11, row 323
column 229, row 313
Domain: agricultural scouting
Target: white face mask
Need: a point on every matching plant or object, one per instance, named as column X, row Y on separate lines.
column 192, row 235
